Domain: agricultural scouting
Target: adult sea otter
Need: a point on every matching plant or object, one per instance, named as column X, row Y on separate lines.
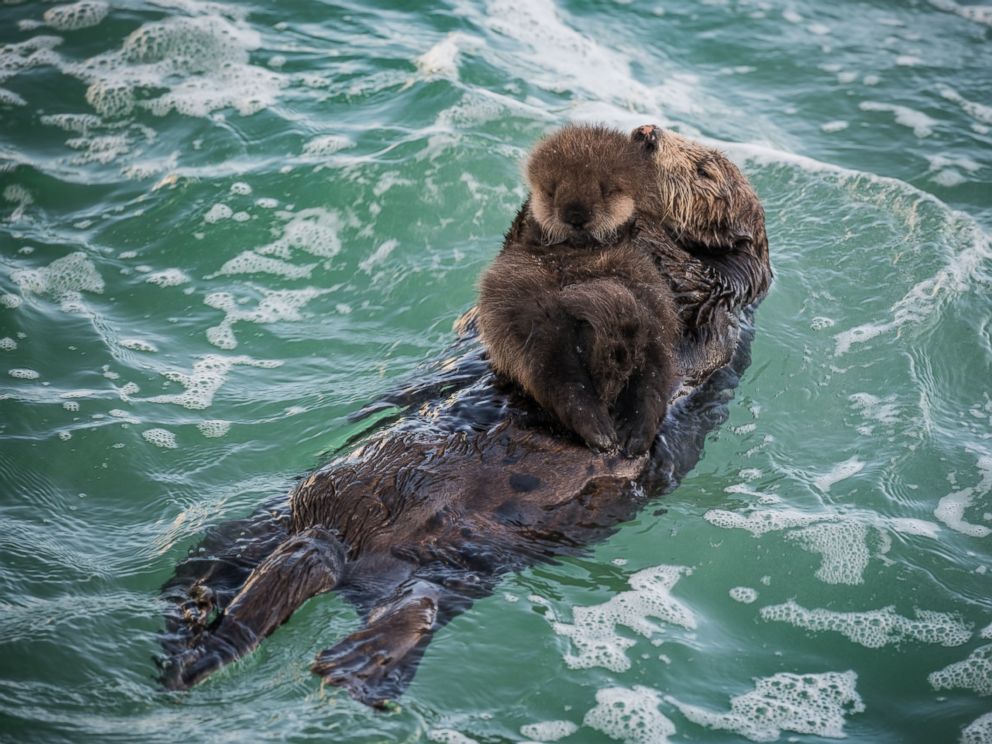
column 469, row 481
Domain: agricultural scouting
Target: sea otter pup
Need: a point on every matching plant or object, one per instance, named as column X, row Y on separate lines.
column 703, row 204
column 571, row 309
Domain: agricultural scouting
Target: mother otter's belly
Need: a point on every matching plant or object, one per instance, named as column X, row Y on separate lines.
column 411, row 494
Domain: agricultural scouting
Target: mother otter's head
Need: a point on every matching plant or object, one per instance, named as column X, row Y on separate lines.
column 585, row 182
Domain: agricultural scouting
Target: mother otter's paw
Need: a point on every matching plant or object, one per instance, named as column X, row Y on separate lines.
column 647, row 135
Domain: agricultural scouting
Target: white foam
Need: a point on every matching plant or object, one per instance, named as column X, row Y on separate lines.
column 20, row 196
column 83, row 14
column 834, row 126
column 240, row 188
column 630, row 715
column 917, row 527
column 326, row 144
column 71, row 405
column 449, row 736
column 7, row 344
column 883, row 410
column 594, row 628
column 874, row 628
column 973, row 673
column 10, row 301
column 63, row 280
column 281, row 305
column 806, row 704
column 986, row 632
column 950, row 509
column 978, row 111
column 137, row 344
column 205, row 379
column 213, row 428
column 978, row 731
column 843, row 547
column 160, row 438
column 167, row 278
column 743, row 594
column 442, row 58
column 314, row 231
column 762, row 521
column 548, row 730
column 249, row 262
column 921, row 124
column 379, row 255
column 218, row 212
column 19, row 373
column 841, row 471
column 978, row 13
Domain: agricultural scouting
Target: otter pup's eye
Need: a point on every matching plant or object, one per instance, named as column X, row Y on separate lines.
column 550, row 190
column 702, row 171
column 608, row 190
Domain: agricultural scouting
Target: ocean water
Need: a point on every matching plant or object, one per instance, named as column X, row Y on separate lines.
column 225, row 226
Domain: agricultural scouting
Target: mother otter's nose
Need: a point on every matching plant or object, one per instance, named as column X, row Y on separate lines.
column 575, row 215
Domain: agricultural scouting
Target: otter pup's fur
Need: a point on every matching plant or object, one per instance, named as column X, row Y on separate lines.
column 707, row 207
column 571, row 309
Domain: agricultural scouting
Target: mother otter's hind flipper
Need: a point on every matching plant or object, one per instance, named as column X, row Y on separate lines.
column 306, row 564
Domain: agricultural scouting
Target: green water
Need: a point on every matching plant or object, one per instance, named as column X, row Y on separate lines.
column 224, row 227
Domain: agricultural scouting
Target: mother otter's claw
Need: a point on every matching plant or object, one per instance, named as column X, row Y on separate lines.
column 649, row 135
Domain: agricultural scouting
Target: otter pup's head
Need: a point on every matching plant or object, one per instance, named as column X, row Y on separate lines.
column 585, row 182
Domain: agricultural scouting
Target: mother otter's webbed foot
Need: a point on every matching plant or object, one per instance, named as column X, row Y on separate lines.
column 375, row 664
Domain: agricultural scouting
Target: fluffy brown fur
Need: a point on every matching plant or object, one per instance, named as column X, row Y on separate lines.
column 572, row 310
column 709, row 209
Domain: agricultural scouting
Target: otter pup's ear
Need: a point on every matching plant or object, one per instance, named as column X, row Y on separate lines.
column 648, row 136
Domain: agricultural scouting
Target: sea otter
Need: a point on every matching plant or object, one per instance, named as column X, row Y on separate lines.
column 468, row 482
column 709, row 209
column 571, row 309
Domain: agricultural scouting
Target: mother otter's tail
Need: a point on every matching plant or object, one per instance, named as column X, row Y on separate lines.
column 305, row 564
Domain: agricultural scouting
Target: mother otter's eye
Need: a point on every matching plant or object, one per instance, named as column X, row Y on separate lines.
column 607, row 190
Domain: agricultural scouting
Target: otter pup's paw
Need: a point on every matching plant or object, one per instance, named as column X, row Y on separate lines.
column 637, row 436
column 648, row 135
column 593, row 425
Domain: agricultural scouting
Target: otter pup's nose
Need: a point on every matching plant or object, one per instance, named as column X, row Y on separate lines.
column 576, row 215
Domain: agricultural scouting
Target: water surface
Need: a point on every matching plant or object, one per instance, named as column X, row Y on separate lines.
column 225, row 226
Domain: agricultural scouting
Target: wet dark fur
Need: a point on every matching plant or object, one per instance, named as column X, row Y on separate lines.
column 466, row 484
column 572, row 309
column 709, row 209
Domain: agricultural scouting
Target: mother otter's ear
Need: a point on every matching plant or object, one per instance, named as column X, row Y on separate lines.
column 648, row 136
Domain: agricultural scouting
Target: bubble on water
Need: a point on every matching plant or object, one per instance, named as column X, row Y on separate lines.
column 874, row 628
column 83, row 14
column 217, row 212
column 23, row 374
column 205, row 379
column 449, row 736
column 241, row 216
column 978, row 731
column 594, row 629
column 281, row 305
column 921, row 124
column 214, row 428
column 160, row 438
column 917, row 527
column 7, row 344
column 843, row 547
column 167, row 278
column 548, row 730
column 267, row 202
column 10, row 98
column 326, row 144
column 249, row 262
column 240, row 188
column 21, row 197
column 71, row 405
column 978, row 111
column 760, row 522
column 973, row 673
column 986, row 632
column 806, row 704
column 65, row 436
column 743, row 594
column 314, row 231
column 137, row 344
column 63, row 280
column 442, row 58
column 630, row 715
